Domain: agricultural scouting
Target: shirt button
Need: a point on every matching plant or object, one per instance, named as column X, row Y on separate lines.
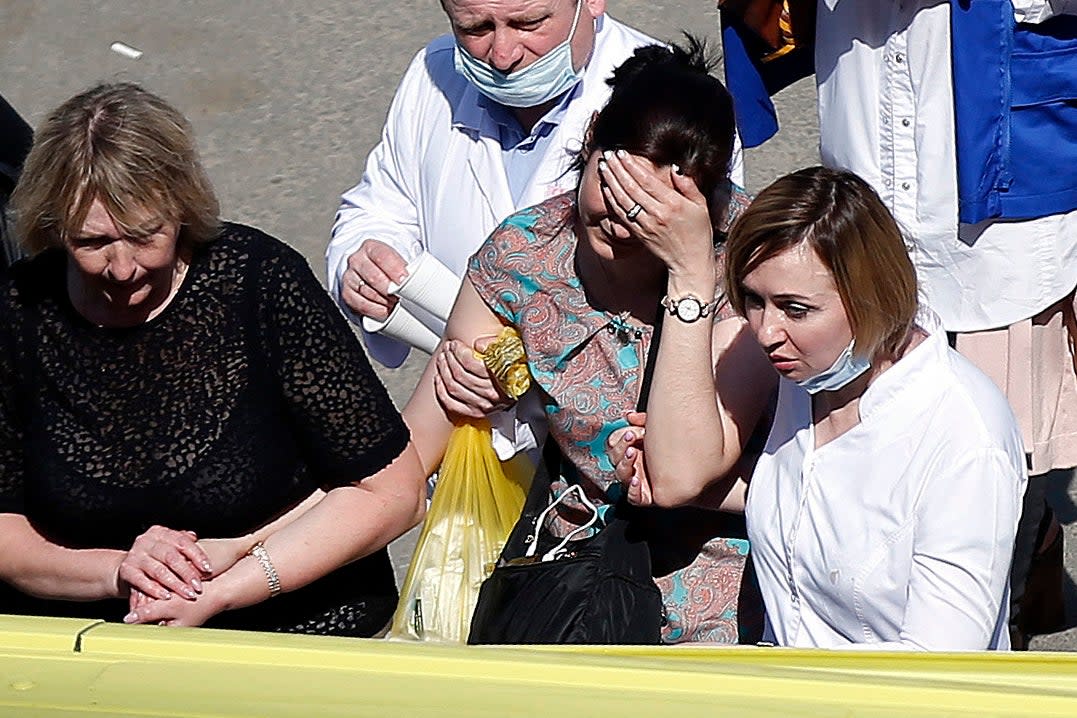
column 905, row 122
column 888, row 182
column 886, row 119
column 905, row 185
column 899, row 58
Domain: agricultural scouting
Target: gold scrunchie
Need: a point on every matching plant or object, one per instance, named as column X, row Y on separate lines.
column 507, row 363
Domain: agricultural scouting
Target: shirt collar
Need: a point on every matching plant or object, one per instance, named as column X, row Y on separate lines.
column 483, row 111
column 914, row 370
column 503, row 115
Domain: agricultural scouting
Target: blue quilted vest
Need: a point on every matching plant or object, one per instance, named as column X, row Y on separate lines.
column 1015, row 97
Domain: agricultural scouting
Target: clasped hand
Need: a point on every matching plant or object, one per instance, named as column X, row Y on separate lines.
column 463, row 383
column 164, row 566
column 625, row 448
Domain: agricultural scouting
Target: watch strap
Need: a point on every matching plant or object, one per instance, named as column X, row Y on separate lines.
column 705, row 308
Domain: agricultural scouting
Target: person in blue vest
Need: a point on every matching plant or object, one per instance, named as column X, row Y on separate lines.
column 962, row 115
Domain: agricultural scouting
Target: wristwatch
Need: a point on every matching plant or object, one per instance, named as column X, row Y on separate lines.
column 688, row 308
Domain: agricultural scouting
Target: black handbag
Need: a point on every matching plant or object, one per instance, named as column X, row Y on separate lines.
column 547, row 590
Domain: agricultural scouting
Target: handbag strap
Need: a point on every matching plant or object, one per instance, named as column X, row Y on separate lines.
column 550, row 466
column 556, row 551
column 523, row 540
column 652, row 357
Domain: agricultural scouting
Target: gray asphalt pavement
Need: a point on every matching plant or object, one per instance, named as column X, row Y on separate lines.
column 287, row 98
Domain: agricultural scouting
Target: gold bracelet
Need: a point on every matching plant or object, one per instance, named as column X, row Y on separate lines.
column 258, row 551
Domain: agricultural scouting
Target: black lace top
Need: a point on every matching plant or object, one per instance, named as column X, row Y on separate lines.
column 232, row 405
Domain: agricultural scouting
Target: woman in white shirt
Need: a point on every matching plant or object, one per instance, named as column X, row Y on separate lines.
column 883, row 508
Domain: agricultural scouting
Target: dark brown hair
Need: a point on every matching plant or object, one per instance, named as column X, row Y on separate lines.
column 667, row 107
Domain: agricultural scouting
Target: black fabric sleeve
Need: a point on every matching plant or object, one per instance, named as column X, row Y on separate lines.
column 344, row 420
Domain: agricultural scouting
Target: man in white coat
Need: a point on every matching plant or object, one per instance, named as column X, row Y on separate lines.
column 484, row 123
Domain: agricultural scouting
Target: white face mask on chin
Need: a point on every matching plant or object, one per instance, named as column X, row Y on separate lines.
column 541, row 81
column 844, row 370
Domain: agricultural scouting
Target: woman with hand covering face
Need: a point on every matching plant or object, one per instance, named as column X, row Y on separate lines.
column 583, row 277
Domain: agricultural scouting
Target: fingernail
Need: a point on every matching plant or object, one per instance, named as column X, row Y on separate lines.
column 607, row 154
column 629, row 436
column 630, row 452
column 634, row 481
column 130, row 617
column 206, row 567
column 190, row 594
column 400, row 279
column 622, row 153
column 602, row 167
column 677, row 169
column 196, row 585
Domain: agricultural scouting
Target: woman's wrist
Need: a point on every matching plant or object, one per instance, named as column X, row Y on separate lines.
column 244, row 584
column 700, row 283
column 240, row 547
column 696, row 264
column 112, row 586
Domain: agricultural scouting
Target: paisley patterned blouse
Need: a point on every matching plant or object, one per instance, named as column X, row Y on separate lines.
column 589, row 364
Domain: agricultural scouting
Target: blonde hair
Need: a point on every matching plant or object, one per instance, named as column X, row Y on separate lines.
column 124, row 146
column 843, row 220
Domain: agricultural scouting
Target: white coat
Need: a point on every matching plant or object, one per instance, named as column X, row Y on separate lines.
column 436, row 181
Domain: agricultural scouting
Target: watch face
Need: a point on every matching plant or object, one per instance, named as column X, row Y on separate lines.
column 689, row 309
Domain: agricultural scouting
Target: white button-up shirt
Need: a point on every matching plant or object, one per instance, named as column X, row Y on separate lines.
column 899, row 533
column 886, row 112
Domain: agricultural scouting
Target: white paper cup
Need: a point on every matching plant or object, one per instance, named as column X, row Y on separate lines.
column 403, row 326
column 432, row 323
column 430, row 285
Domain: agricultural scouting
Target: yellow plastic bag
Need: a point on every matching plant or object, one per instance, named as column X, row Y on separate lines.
column 477, row 501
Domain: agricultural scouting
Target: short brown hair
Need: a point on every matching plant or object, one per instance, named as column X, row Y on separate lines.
column 842, row 218
column 124, row 146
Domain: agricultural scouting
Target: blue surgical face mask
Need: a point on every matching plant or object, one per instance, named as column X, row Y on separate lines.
column 542, row 80
column 845, row 369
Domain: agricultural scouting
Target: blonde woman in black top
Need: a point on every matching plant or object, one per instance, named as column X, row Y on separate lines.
column 187, row 425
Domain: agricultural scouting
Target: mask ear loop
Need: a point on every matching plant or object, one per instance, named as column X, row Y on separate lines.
column 553, row 553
